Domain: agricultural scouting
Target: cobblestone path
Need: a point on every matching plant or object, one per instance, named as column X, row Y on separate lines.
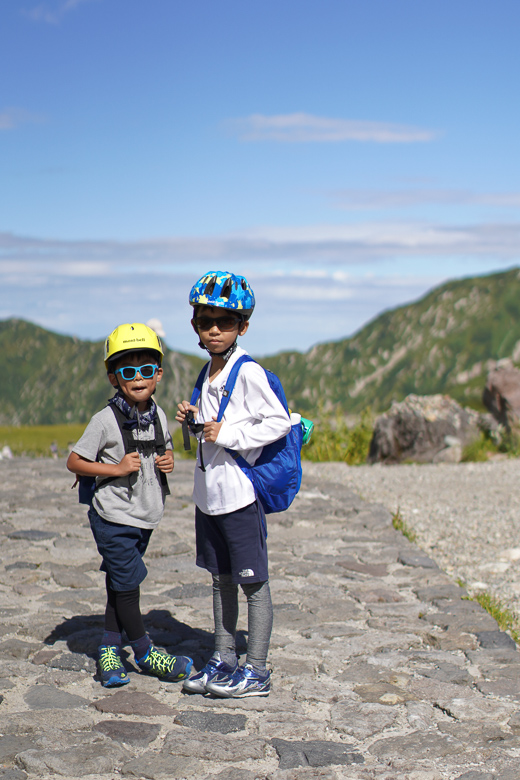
column 382, row 670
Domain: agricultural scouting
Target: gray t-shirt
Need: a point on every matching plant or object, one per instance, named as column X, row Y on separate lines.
column 137, row 499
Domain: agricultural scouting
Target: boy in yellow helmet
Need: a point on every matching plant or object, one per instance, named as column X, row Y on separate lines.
column 128, row 449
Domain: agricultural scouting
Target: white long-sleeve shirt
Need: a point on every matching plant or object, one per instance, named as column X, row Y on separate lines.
column 254, row 417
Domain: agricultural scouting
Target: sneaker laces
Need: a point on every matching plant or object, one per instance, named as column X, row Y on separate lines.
column 161, row 662
column 109, row 659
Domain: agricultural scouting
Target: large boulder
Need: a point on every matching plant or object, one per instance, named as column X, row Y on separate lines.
column 424, row 429
column 502, row 394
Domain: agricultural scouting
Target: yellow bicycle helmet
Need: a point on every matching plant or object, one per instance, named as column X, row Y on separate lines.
column 131, row 338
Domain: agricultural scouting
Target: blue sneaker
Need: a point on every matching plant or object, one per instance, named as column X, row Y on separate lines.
column 170, row 668
column 214, row 670
column 244, row 682
column 111, row 668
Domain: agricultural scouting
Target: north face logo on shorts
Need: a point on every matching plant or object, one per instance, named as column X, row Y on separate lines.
column 246, row 573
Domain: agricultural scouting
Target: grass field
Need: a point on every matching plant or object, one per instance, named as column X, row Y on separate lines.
column 327, row 443
column 37, row 440
column 331, row 441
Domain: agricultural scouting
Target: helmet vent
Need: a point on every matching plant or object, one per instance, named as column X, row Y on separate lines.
column 227, row 289
column 210, row 286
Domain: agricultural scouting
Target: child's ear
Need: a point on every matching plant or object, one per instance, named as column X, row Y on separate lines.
column 112, row 379
column 243, row 327
column 159, row 374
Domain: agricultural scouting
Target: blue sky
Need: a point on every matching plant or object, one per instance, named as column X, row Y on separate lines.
column 344, row 156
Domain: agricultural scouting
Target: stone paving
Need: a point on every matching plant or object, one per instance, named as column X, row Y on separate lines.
column 382, row 670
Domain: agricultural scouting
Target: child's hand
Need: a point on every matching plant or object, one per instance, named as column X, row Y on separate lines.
column 130, row 464
column 185, row 407
column 165, row 462
column 211, row 430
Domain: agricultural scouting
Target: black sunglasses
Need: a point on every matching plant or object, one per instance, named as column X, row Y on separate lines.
column 227, row 322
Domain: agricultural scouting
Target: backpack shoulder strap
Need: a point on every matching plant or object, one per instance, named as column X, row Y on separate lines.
column 160, row 448
column 230, row 384
column 131, row 445
column 160, row 442
column 129, row 442
column 198, row 385
column 277, row 388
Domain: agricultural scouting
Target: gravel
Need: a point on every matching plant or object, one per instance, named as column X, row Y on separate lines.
column 466, row 516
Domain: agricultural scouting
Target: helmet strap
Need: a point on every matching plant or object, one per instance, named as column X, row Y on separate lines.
column 224, row 355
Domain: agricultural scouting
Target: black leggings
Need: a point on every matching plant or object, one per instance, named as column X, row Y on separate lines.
column 123, row 612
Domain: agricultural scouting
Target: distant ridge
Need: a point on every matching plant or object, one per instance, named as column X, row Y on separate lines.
column 49, row 379
column 443, row 343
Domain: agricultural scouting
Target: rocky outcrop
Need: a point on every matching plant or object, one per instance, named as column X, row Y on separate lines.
column 424, row 429
column 502, row 394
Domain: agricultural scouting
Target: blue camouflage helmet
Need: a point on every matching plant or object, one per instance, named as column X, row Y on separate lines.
column 225, row 290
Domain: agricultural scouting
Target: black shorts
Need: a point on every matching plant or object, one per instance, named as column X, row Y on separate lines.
column 122, row 548
column 233, row 543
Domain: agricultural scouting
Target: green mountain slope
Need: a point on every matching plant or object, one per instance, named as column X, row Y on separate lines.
column 443, row 343
column 50, row 379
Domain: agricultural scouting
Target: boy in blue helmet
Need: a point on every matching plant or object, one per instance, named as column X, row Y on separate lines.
column 229, row 521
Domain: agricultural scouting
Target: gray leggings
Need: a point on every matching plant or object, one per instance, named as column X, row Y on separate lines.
column 259, row 619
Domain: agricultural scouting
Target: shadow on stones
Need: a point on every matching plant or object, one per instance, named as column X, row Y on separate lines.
column 82, row 634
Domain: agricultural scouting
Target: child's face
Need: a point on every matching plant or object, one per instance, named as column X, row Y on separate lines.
column 217, row 338
column 137, row 390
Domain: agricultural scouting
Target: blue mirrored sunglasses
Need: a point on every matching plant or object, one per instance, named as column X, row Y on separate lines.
column 130, row 372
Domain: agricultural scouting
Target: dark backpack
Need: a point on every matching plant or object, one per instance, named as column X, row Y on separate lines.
column 87, row 485
column 277, row 473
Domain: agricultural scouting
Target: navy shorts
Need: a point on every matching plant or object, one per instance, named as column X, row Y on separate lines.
column 122, row 548
column 233, row 543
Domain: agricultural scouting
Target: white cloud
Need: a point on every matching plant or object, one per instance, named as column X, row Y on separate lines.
column 95, row 269
column 395, row 199
column 157, row 326
column 22, row 268
column 294, row 311
column 305, row 128
column 327, row 292
column 267, row 250
column 87, row 288
column 11, row 118
column 52, row 13
column 313, row 283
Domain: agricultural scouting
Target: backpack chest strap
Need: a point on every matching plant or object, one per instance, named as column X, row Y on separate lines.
column 157, row 444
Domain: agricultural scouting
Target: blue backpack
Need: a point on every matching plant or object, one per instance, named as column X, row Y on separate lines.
column 277, row 473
